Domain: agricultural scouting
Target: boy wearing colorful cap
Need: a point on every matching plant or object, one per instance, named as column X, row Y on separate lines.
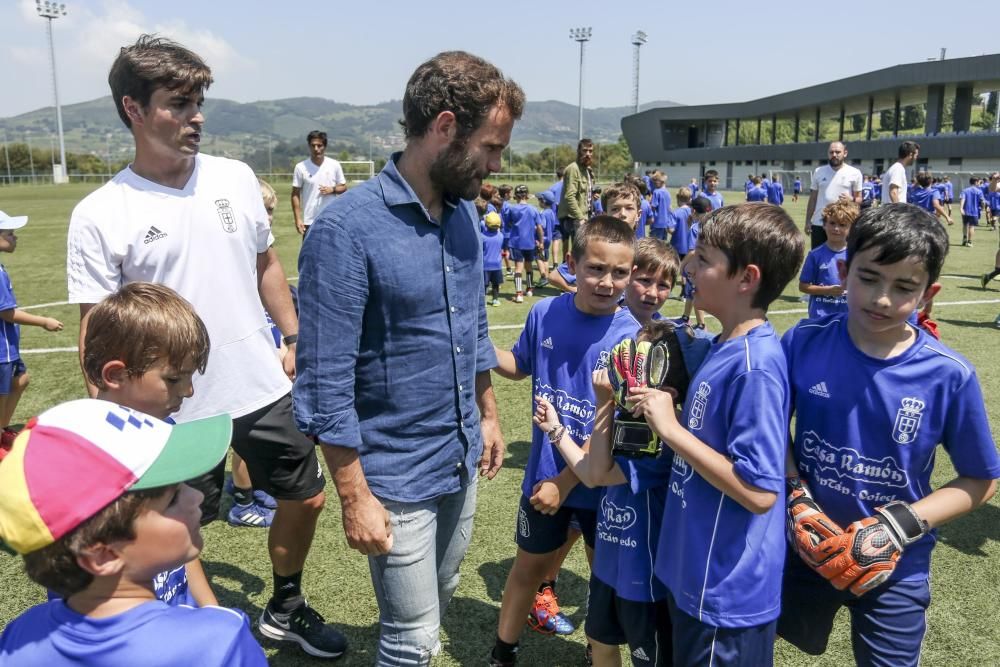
column 13, row 373
column 142, row 352
column 92, row 495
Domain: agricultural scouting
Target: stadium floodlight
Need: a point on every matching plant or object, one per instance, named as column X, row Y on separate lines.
column 638, row 39
column 6, row 155
column 49, row 11
column 581, row 35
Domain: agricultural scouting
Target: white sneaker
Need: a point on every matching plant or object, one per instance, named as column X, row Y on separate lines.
column 519, row 299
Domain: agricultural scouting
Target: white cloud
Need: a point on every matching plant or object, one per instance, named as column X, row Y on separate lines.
column 86, row 41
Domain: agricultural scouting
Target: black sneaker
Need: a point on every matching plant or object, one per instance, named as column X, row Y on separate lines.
column 305, row 626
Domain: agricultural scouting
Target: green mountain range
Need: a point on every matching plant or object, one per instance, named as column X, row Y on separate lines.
column 241, row 129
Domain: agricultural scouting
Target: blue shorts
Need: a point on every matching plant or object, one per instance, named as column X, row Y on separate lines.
column 8, row 371
column 887, row 624
column 644, row 626
column 539, row 533
column 970, row 220
column 519, row 255
column 697, row 643
column 492, row 277
column 556, row 233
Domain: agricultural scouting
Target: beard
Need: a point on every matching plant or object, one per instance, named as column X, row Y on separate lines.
column 835, row 162
column 454, row 172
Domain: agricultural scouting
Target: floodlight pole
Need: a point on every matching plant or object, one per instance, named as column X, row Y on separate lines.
column 638, row 39
column 49, row 11
column 31, row 158
column 107, row 145
column 581, row 35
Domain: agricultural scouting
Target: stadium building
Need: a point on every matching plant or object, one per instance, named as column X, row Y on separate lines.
column 947, row 106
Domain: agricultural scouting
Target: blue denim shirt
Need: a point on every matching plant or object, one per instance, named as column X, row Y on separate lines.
column 392, row 332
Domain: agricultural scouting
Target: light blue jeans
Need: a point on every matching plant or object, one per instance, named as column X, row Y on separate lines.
column 415, row 581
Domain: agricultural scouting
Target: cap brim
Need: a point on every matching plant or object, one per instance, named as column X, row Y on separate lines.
column 13, row 223
column 192, row 449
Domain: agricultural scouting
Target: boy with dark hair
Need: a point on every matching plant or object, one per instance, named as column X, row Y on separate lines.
column 645, row 210
column 315, row 182
column 820, row 277
column 501, row 201
column 796, row 189
column 928, row 197
column 565, row 339
column 596, row 207
column 723, row 540
column 526, row 238
column 971, row 204
column 93, row 496
column 622, row 201
column 13, row 373
column 862, row 515
column 700, row 207
column 550, row 223
column 757, row 192
column 776, row 192
column 711, row 192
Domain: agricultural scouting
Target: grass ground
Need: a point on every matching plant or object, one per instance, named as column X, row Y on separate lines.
column 966, row 570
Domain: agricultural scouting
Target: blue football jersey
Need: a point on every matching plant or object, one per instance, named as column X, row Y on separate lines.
column 661, row 208
column 867, row 429
column 820, row 268
column 721, row 562
column 10, row 333
column 561, row 347
column 152, row 634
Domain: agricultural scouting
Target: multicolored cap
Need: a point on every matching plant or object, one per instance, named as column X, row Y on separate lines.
column 73, row 460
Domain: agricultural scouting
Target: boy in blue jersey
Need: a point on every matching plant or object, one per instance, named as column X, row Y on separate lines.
column 144, row 343
column 492, row 247
column 596, row 208
column 550, row 223
column 722, row 545
column 680, row 232
column 867, row 192
column 628, row 604
column 13, row 373
column 873, row 396
column 564, row 340
column 776, row 192
column 796, row 189
column 526, row 238
column 645, row 211
column 820, row 277
column 928, row 197
column 93, row 497
column 694, row 187
column 971, row 204
column 501, row 201
column 700, row 207
column 757, row 192
column 660, row 203
column 711, row 192
column 994, row 195
column 949, row 193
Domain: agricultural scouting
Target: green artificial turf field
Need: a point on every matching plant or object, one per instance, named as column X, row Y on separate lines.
column 966, row 570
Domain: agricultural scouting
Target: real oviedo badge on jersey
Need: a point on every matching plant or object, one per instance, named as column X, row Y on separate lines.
column 907, row 420
column 226, row 215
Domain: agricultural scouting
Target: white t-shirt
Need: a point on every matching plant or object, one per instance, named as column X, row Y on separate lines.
column 309, row 178
column 895, row 176
column 830, row 183
column 202, row 241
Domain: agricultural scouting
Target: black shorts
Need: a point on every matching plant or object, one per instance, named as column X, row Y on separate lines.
column 970, row 220
column 281, row 460
column 568, row 227
column 493, row 277
column 539, row 533
column 644, row 626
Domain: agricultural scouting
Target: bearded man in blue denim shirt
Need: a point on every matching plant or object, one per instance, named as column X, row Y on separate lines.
column 394, row 354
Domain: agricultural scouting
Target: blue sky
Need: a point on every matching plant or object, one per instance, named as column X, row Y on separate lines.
column 362, row 51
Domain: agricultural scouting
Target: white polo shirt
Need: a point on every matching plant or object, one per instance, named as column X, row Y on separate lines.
column 309, row 177
column 202, row 241
column 830, row 183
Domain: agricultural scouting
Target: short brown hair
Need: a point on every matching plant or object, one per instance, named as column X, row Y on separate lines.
column 55, row 565
column 601, row 228
column 141, row 324
column 842, row 211
column 624, row 190
column 683, row 195
column 760, row 234
column 657, row 257
column 462, row 83
column 151, row 63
